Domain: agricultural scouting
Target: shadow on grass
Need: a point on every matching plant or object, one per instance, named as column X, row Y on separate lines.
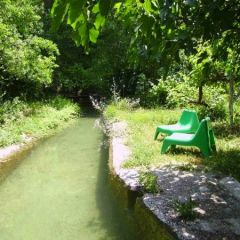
column 227, row 162
column 193, row 152
column 224, row 161
column 223, row 130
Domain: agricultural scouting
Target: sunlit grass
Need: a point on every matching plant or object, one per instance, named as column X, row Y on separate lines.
column 41, row 119
column 146, row 152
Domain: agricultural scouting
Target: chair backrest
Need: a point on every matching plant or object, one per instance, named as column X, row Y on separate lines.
column 189, row 117
column 209, row 125
column 211, row 135
column 205, row 135
column 203, row 130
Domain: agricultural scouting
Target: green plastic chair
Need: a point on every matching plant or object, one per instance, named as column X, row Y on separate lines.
column 203, row 139
column 188, row 123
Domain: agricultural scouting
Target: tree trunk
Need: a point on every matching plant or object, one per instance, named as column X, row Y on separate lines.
column 231, row 101
column 200, row 93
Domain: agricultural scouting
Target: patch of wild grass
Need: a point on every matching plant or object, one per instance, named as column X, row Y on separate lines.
column 149, row 182
column 186, row 209
column 146, row 152
column 35, row 119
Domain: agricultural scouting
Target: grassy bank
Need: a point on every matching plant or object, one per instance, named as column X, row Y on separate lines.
column 20, row 120
column 146, row 152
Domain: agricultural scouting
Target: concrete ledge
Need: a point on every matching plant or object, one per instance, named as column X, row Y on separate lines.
column 120, row 153
column 10, row 151
column 12, row 155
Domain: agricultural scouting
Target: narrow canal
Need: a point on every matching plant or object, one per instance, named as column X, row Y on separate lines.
column 62, row 191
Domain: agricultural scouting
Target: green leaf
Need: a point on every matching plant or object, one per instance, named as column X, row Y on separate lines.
column 75, row 10
column 117, row 7
column 83, row 34
column 99, row 21
column 147, row 6
column 58, row 12
column 93, row 35
column 96, row 8
column 79, row 20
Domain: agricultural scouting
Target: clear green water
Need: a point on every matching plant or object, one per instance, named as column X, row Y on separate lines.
column 61, row 191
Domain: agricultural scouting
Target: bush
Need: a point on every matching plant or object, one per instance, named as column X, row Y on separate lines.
column 216, row 104
column 177, row 92
column 172, row 92
column 157, row 95
column 59, row 102
column 12, row 110
column 125, row 103
column 27, row 59
column 180, row 94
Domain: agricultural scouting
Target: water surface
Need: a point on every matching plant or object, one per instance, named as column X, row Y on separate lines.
column 61, row 191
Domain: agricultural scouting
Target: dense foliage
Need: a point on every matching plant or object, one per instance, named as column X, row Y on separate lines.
column 27, row 59
column 27, row 63
column 156, row 51
column 93, row 72
column 194, row 42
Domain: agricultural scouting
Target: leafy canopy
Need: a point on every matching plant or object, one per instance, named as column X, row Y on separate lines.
column 25, row 55
column 165, row 24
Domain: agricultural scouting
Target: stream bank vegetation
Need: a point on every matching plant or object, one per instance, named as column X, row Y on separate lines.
column 29, row 105
column 21, row 120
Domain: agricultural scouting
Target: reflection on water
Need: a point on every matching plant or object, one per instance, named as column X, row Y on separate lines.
column 61, row 191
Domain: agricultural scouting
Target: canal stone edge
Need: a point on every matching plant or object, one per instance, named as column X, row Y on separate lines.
column 217, row 197
column 14, row 150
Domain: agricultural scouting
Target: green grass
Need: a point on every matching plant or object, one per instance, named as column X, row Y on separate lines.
column 36, row 119
column 186, row 209
column 149, row 182
column 146, row 152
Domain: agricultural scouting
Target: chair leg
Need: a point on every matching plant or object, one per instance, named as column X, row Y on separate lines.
column 205, row 151
column 165, row 146
column 214, row 149
column 156, row 134
column 173, row 147
column 212, row 141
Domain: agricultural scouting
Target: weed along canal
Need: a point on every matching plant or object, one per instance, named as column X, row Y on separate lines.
column 62, row 190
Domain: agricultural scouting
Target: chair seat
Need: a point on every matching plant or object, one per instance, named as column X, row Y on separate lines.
column 181, row 137
column 188, row 123
column 174, row 128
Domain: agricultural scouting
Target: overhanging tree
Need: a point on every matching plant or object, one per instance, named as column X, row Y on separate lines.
column 165, row 26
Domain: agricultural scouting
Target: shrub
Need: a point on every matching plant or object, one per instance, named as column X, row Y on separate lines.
column 157, row 95
column 126, row 104
column 216, row 104
column 27, row 59
column 181, row 95
column 12, row 110
column 59, row 102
